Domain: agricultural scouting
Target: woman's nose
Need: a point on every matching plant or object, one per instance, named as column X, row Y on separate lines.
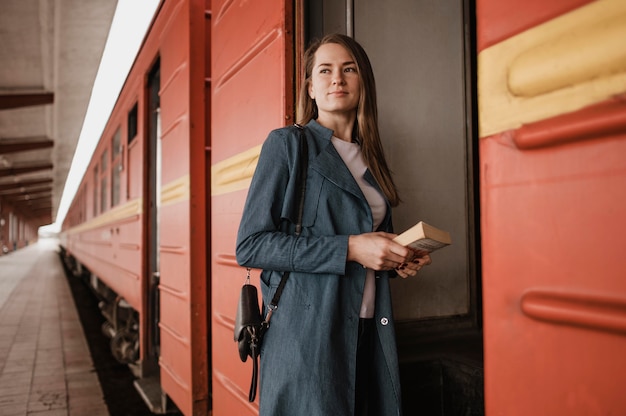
column 338, row 78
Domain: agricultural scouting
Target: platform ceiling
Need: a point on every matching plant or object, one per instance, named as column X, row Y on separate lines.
column 50, row 51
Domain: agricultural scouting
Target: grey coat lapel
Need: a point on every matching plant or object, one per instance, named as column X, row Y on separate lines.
column 329, row 164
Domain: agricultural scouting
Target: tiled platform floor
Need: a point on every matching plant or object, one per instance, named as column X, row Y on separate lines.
column 45, row 366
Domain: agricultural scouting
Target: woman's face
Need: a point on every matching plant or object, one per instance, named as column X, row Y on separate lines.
column 335, row 82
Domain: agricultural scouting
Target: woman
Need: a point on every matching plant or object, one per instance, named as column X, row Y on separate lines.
column 330, row 349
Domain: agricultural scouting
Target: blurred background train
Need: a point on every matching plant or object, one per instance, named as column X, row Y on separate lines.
column 504, row 122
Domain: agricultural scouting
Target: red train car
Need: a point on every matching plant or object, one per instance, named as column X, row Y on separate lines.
column 130, row 223
column 507, row 129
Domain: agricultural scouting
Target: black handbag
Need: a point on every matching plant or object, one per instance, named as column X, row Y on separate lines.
column 250, row 327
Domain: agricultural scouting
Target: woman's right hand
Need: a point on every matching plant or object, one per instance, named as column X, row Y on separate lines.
column 378, row 251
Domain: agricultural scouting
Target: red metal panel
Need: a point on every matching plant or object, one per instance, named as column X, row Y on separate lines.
column 174, row 224
column 113, row 256
column 554, row 293
column 249, row 74
column 501, row 19
column 251, row 94
column 553, row 232
column 182, row 242
column 199, row 168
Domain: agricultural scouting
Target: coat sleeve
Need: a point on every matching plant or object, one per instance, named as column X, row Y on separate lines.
column 261, row 243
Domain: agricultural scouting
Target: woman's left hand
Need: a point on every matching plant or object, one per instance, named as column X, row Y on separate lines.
column 411, row 268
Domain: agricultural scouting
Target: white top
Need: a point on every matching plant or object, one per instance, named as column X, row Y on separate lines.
column 351, row 155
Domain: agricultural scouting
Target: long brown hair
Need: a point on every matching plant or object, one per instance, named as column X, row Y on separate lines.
column 367, row 111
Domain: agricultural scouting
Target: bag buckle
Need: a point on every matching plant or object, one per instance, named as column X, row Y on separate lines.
column 270, row 310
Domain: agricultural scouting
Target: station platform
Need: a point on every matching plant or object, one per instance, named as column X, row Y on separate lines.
column 45, row 365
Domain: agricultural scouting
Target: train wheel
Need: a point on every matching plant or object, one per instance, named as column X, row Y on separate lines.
column 125, row 347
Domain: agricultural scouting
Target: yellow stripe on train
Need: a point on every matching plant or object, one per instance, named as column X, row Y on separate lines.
column 558, row 67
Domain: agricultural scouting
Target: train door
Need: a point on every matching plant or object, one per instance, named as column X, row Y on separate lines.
column 179, row 188
column 149, row 381
column 421, row 53
column 154, row 180
column 251, row 94
column 552, row 82
column 154, row 175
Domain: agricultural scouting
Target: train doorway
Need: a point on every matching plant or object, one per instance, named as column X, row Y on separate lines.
column 154, row 192
column 150, row 363
column 421, row 52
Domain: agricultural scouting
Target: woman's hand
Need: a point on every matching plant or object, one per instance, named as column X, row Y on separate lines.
column 378, row 251
column 412, row 267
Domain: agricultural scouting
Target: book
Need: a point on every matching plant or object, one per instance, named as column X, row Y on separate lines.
column 424, row 237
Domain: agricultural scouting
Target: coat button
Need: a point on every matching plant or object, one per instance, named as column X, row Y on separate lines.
column 384, row 321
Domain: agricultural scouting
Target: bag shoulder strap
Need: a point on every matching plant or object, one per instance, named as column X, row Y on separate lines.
column 303, row 156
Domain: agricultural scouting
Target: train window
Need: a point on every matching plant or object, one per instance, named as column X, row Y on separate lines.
column 103, row 181
column 116, row 163
column 96, row 179
column 104, row 161
column 103, row 194
column 116, row 145
column 132, row 123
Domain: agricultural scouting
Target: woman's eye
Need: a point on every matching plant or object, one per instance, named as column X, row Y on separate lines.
column 350, row 69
